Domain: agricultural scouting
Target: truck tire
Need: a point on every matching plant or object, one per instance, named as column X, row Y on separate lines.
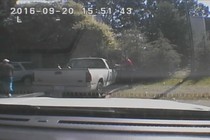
column 99, row 89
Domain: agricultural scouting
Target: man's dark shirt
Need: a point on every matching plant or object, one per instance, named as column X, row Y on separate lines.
column 6, row 70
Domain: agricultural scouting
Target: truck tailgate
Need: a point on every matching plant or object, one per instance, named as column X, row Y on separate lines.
column 64, row 77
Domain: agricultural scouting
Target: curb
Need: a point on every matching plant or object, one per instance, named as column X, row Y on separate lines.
column 36, row 94
column 108, row 93
column 186, row 96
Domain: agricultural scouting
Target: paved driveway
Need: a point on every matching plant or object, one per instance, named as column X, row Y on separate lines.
column 21, row 90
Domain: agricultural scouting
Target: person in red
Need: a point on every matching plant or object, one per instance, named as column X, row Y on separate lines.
column 127, row 68
column 127, row 64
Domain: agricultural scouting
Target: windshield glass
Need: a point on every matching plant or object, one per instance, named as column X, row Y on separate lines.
column 139, row 49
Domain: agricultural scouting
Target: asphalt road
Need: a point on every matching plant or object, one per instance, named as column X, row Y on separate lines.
column 197, row 102
column 27, row 91
column 22, row 90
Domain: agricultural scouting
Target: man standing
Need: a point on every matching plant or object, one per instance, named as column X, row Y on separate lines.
column 127, row 68
column 127, row 63
column 6, row 77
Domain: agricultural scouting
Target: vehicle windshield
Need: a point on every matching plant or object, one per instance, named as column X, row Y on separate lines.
column 138, row 49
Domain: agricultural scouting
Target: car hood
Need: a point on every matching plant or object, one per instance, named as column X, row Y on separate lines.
column 103, row 103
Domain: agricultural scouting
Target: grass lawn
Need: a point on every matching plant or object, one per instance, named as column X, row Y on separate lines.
column 178, row 87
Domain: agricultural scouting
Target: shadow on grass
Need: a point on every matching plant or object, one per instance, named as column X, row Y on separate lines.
column 194, row 77
column 171, row 89
column 197, row 77
column 141, row 80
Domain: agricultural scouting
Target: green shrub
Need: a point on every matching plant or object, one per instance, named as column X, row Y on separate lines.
column 160, row 58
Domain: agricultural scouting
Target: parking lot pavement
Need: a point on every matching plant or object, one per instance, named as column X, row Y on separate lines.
column 20, row 90
column 197, row 102
column 35, row 94
column 3, row 96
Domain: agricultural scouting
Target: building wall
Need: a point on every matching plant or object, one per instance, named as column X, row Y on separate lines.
column 88, row 45
column 199, row 31
column 200, row 43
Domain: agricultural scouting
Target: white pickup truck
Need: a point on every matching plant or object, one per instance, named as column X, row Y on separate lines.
column 81, row 75
column 23, row 71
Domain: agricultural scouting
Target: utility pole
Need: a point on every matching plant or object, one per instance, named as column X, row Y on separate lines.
column 192, row 49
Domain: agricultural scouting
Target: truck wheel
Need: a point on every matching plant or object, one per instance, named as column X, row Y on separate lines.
column 100, row 89
column 27, row 81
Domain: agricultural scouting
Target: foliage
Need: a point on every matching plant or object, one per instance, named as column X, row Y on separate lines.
column 202, row 58
column 172, row 25
column 143, row 10
column 106, row 36
column 55, row 30
column 132, row 42
column 159, row 57
column 5, row 6
column 116, row 18
column 154, row 18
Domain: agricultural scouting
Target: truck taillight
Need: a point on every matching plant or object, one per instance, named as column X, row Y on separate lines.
column 88, row 77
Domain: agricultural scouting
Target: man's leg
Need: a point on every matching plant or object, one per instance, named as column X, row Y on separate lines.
column 6, row 86
column 11, row 86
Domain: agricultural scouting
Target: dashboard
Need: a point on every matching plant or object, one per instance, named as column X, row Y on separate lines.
column 17, row 127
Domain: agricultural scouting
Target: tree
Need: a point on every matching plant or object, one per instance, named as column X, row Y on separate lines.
column 5, row 6
column 143, row 10
column 55, row 32
column 132, row 42
column 124, row 13
column 160, row 58
column 172, row 25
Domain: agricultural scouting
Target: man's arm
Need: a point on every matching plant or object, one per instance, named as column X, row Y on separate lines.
column 12, row 69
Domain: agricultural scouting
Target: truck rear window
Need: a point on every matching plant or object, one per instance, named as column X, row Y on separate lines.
column 87, row 63
column 28, row 66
